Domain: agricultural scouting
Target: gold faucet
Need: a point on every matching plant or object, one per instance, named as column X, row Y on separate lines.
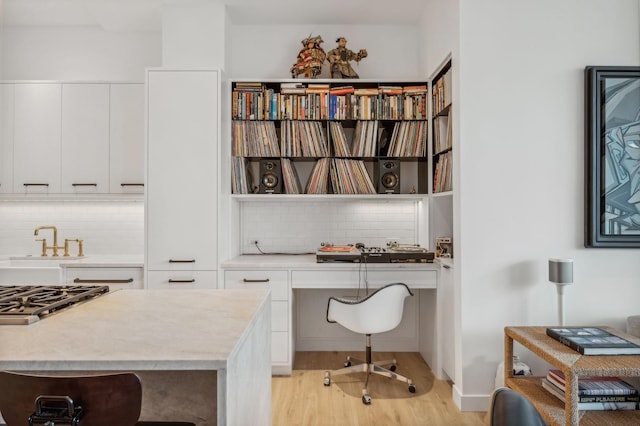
column 80, row 246
column 55, row 246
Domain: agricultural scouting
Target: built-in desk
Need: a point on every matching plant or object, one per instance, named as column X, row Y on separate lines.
column 300, row 290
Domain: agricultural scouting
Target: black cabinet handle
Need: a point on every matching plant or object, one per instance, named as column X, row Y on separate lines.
column 132, row 184
column 92, row 281
column 182, row 261
column 84, row 184
column 247, row 280
column 181, row 281
column 35, row 184
column 446, row 266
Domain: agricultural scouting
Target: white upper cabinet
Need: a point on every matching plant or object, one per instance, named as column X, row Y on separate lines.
column 36, row 141
column 6, row 138
column 181, row 192
column 85, row 138
column 126, row 137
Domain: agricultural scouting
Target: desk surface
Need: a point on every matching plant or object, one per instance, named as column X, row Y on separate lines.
column 136, row 330
column 308, row 262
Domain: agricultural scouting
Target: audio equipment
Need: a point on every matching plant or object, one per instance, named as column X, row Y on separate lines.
column 270, row 177
column 388, row 176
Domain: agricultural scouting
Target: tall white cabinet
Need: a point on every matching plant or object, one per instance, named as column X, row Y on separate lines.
column 183, row 113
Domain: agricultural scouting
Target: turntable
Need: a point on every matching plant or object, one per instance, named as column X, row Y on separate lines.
column 400, row 253
column 331, row 253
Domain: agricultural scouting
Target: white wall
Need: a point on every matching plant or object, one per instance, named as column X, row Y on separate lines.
column 521, row 161
column 269, row 51
column 193, row 34
column 78, row 53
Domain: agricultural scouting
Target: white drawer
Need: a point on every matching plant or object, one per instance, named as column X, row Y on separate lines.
column 351, row 278
column 274, row 280
column 279, row 347
column 279, row 315
column 180, row 280
column 115, row 278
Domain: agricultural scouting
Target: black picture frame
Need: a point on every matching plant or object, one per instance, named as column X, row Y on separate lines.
column 612, row 157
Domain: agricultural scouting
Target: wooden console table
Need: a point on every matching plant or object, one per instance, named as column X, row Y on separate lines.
column 573, row 365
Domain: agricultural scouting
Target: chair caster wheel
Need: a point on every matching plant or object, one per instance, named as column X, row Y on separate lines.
column 347, row 363
column 392, row 367
column 327, row 381
column 412, row 389
column 366, row 399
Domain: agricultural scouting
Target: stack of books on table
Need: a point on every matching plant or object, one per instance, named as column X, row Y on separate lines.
column 595, row 393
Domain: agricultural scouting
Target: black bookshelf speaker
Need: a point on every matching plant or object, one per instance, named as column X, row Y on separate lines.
column 388, row 176
column 270, row 176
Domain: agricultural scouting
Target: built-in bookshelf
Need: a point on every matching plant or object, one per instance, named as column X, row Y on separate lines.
column 442, row 158
column 342, row 137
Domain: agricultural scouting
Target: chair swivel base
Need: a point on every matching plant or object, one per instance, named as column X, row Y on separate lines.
column 375, row 368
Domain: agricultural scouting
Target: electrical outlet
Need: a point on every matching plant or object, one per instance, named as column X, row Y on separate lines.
column 252, row 242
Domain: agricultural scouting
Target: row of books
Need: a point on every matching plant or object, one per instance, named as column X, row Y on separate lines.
column 303, row 139
column 329, row 175
column 363, row 143
column 441, row 92
column 240, row 177
column 595, row 393
column 290, row 177
column 254, row 139
column 309, row 139
column 442, row 172
column 254, row 101
column 379, row 107
column 442, row 133
column 409, row 139
column 350, row 177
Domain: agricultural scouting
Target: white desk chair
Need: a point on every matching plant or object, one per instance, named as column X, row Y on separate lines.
column 379, row 312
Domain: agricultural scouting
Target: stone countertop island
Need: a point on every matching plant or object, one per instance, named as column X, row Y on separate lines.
column 202, row 355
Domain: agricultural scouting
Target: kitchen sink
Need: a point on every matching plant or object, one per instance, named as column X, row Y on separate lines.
column 30, row 275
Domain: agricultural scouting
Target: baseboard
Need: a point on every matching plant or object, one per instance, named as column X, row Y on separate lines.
column 469, row 402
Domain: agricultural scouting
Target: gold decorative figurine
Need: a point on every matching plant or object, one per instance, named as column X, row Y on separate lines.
column 339, row 59
column 310, row 59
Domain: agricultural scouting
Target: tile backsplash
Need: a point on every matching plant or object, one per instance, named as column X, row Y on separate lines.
column 117, row 227
column 303, row 225
column 107, row 227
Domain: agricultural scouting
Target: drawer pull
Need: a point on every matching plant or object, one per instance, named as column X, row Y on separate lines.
column 84, row 184
column 91, row 281
column 35, row 184
column 446, row 266
column 247, row 280
column 181, row 281
column 132, row 184
column 182, row 261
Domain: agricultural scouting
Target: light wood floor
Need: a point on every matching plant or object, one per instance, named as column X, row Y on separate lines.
column 302, row 399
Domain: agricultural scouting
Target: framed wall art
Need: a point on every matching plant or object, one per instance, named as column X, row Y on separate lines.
column 612, row 156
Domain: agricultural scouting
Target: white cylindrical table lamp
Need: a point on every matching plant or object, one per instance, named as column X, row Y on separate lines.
column 561, row 274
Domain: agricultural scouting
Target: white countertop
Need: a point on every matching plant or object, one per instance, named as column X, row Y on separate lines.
column 88, row 261
column 308, row 261
column 136, row 330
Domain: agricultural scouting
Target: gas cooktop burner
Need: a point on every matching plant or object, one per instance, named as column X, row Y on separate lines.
column 27, row 304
